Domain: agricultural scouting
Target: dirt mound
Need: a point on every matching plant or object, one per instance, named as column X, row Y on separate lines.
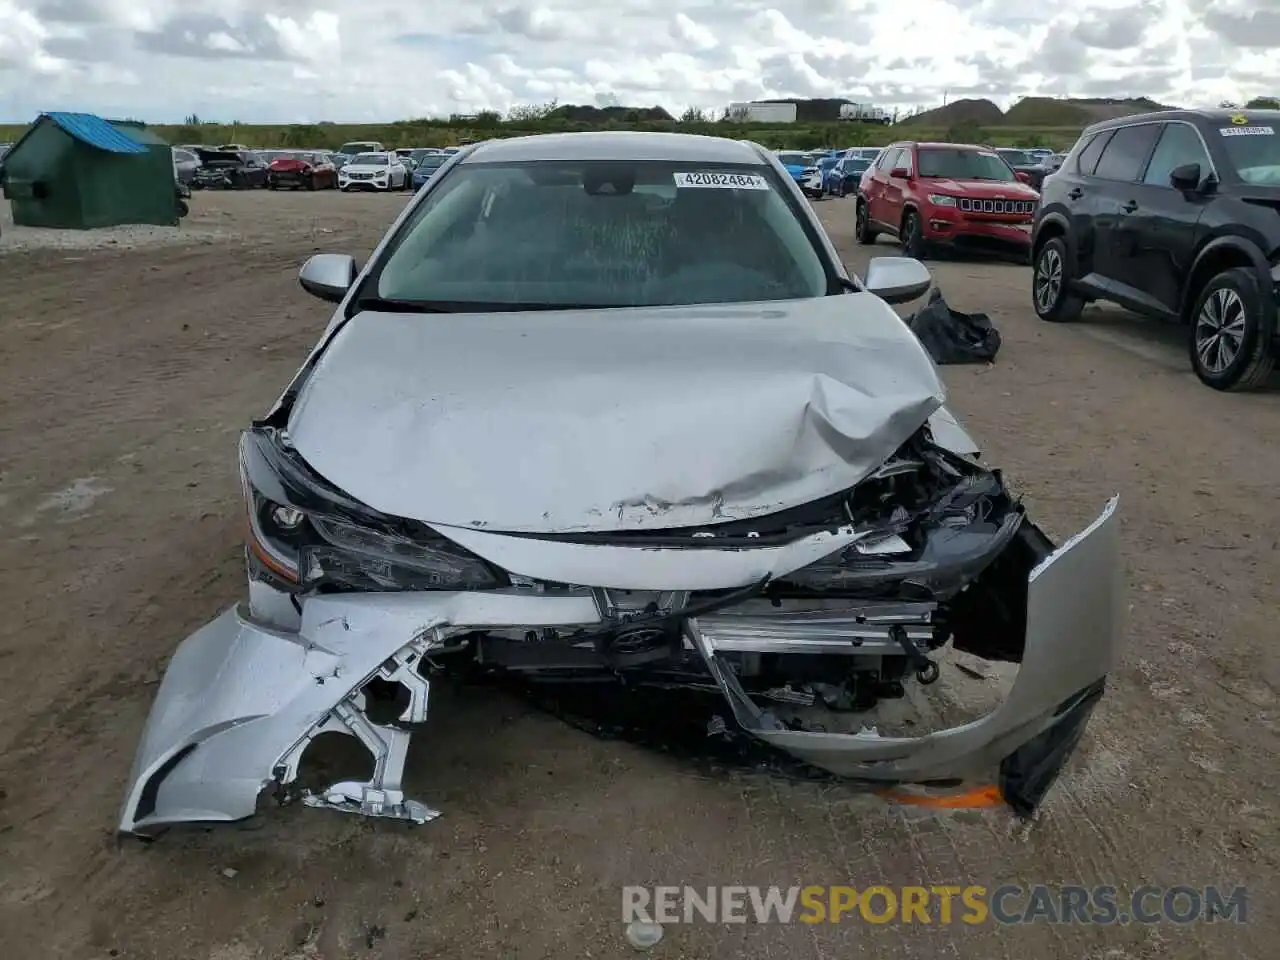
column 601, row 115
column 1035, row 112
column 1051, row 112
column 982, row 112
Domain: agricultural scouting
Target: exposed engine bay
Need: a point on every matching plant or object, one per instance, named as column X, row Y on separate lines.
column 942, row 554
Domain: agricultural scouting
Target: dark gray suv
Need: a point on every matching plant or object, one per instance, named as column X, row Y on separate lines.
column 1174, row 215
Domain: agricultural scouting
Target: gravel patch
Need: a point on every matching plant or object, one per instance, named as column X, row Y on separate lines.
column 16, row 239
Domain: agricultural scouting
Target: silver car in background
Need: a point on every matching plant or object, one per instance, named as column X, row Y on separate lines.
column 607, row 408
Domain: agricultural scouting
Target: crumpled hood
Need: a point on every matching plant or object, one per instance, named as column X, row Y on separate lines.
column 984, row 189
column 609, row 420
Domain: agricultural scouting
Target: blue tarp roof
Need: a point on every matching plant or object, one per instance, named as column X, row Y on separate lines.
column 96, row 132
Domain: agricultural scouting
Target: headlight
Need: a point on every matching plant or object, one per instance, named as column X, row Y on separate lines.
column 941, row 200
column 305, row 533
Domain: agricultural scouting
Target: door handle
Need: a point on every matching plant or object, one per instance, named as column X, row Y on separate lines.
column 1075, row 193
column 1131, row 206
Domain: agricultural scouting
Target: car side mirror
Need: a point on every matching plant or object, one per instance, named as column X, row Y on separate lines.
column 897, row 279
column 1023, row 177
column 328, row 276
column 900, row 173
column 1185, row 177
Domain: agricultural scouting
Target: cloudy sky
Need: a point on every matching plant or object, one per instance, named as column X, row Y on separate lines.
column 308, row 60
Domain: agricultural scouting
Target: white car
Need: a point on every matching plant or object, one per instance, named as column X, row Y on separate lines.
column 374, row 171
column 606, row 410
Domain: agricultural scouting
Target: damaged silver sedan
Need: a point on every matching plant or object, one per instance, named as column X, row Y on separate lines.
column 607, row 407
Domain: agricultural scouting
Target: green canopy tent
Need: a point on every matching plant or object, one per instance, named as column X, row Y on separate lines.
column 77, row 171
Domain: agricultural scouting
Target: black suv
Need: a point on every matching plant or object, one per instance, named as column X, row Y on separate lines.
column 1177, row 215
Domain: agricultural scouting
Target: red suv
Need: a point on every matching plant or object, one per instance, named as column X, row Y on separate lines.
column 950, row 194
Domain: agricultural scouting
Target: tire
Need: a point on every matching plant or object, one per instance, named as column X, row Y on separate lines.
column 311, row 182
column 911, row 239
column 1051, row 297
column 183, row 208
column 1232, row 325
column 862, row 220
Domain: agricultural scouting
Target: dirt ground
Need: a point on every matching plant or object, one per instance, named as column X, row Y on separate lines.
column 126, row 375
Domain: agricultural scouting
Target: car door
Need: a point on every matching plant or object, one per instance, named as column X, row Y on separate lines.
column 895, row 189
column 1159, row 227
column 877, row 181
column 1076, row 190
column 1116, row 177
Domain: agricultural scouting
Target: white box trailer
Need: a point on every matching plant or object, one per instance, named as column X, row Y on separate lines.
column 763, row 112
column 864, row 113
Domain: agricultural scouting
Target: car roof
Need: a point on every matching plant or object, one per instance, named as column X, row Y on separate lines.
column 926, row 144
column 616, row 145
column 1217, row 117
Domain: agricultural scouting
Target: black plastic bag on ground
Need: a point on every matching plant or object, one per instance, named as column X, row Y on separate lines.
column 954, row 337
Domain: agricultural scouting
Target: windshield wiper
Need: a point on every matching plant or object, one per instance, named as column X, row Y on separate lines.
column 391, row 305
column 386, row 305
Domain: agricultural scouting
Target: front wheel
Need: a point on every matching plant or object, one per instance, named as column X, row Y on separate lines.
column 1231, row 330
column 863, row 232
column 912, row 236
column 1051, row 282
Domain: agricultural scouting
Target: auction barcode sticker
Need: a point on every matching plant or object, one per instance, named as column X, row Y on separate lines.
column 721, row 181
column 1247, row 131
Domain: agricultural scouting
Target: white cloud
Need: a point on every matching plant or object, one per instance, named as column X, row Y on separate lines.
column 693, row 33
column 224, row 42
column 386, row 60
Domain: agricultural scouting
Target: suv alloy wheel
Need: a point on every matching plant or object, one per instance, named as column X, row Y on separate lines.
column 1231, row 331
column 1049, row 293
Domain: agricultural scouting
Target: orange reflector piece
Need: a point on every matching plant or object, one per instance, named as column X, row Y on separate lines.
column 977, row 798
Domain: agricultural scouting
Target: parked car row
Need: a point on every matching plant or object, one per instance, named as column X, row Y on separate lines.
column 825, row 173
column 1171, row 215
column 358, row 165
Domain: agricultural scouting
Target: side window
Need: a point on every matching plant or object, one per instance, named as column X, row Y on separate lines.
column 1179, row 144
column 1091, row 152
column 906, row 160
column 1126, row 154
column 885, row 156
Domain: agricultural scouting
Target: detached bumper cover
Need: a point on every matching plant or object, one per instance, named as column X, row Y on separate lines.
column 240, row 701
column 1075, row 606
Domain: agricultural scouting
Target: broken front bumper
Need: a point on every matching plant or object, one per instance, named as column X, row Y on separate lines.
column 241, row 702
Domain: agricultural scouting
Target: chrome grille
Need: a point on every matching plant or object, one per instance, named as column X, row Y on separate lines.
column 361, row 176
column 968, row 205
